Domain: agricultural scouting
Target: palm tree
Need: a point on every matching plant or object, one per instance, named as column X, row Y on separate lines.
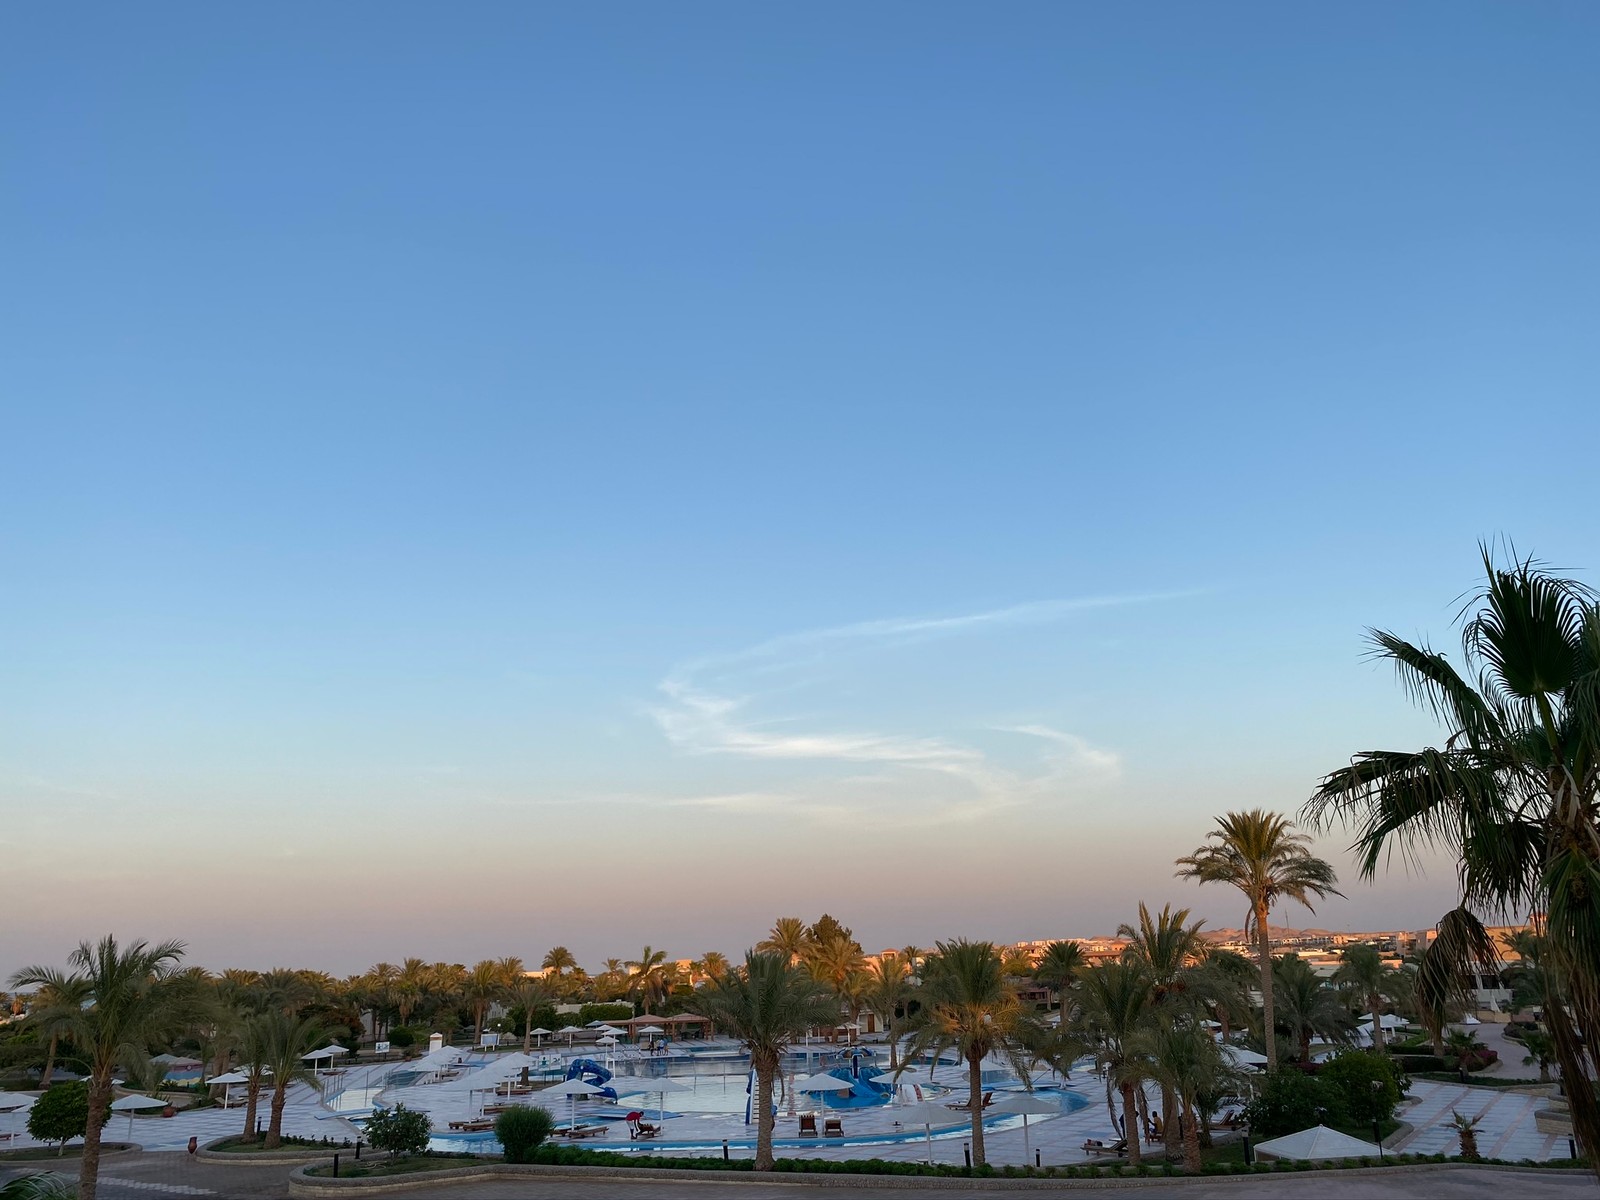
column 788, row 938
column 1306, row 1006
column 56, row 1005
column 888, row 985
column 1224, row 984
column 1514, row 791
column 767, row 1005
column 1185, row 1060
column 1258, row 853
column 1364, row 974
column 1058, row 968
column 284, row 1041
column 968, row 1007
column 558, row 961
column 1169, row 951
column 713, row 965
column 648, row 977
column 839, row 963
column 134, row 997
column 529, row 993
column 409, row 986
column 1114, row 1000
column 484, row 984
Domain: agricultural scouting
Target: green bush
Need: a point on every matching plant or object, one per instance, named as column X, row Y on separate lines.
column 1291, row 1100
column 402, row 1038
column 399, row 1130
column 61, row 1114
column 1369, row 1084
column 1412, row 1063
column 522, row 1130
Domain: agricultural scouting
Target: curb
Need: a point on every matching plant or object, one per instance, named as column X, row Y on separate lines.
column 294, row 1156
column 303, row 1185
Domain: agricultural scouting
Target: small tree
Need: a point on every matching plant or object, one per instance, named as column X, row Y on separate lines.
column 399, row 1130
column 522, row 1131
column 61, row 1114
column 402, row 1037
column 39, row 1187
column 1290, row 1101
column 1369, row 1084
column 1467, row 1130
column 1541, row 1052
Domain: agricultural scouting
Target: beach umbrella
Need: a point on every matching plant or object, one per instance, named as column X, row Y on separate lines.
column 1027, row 1104
column 1239, row 1056
column 327, row 1052
column 927, row 1114
column 570, row 1030
column 608, row 1040
column 652, row 1029
column 129, row 1104
column 539, row 1035
column 16, row 1102
column 824, row 1083
column 225, row 1082
column 571, row 1089
column 1317, row 1142
column 633, row 1085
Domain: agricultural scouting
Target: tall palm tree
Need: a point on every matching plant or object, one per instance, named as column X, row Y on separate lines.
column 1058, row 969
column 284, row 1041
column 1362, row 972
column 839, row 963
column 1260, row 854
column 788, row 938
column 1114, row 1000
column 134, row 997
column 529, row 993
column 767, row 1006
column 968, row 1007
column 713, row 965
column 409, row 986
column 558, row 961
column 1514, row 791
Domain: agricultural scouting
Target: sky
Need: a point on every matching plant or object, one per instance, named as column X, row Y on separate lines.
column 482, row 478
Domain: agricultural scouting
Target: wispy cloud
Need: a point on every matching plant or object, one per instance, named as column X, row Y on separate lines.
column 711, row 706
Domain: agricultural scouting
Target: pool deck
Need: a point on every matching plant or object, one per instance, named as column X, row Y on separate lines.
column 1506, row 1128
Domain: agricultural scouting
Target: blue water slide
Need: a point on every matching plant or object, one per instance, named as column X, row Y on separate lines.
column 863, row 1093
column 590, row 1071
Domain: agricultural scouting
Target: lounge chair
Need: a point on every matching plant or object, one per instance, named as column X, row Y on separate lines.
column 832, row 1127
column 585, row 1131
column 1095, row 1147
column 476, row 1125
column 639, row 1129
column 966, row 1105
column 808, row 1125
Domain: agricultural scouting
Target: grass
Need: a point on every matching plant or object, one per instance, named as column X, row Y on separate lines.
column 299, row 1145
column 1491, row 1081
column 49, row 1153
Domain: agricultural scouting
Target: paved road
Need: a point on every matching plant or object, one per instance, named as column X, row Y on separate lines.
column 154, row 1175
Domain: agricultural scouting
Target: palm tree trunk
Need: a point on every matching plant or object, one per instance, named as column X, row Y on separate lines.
column 49, row 1064
column 280, row 1094
column 1130, row 1125
column 975, row 1088
column 1268, row 1010
column 765, row 1116
column 1191, row 1140
column 1581, row 1102
column 888, row 1032
column 1171, row 1138
column 99, row 1107
column 1377, row 1022
column 252, row 1100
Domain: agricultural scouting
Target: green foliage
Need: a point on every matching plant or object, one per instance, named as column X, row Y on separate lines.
column 596, row 1012
column 38, row 1187
column 61, row 1114
column 1370, row 1085
column 402, row 1037
column 523, row 1130
column 1291, row 1100
column 399, row 1130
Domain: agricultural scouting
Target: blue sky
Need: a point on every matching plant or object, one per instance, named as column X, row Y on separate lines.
column 484, row 478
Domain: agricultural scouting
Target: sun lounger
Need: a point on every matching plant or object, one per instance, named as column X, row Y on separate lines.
column 1094, row 1146
column 477, row 1125
column 639, row 1129
column 808, row 1125
column 966, row 1105
column 832, row 1127
column 585, row 1131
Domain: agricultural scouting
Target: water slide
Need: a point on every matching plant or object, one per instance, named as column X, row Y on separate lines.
column 590, row 1071
column 864, row 1092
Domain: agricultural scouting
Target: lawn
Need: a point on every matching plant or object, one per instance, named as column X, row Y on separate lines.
column 403, row 1166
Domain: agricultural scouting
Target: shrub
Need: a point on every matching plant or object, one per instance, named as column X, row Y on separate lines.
column 1370, row 1085
column 402, row 1038
column 399, row 1130
column 1412, row 1063
column 1291, row 1100
column 61, row 1114
column 603, row 1012
column 521, row 1131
